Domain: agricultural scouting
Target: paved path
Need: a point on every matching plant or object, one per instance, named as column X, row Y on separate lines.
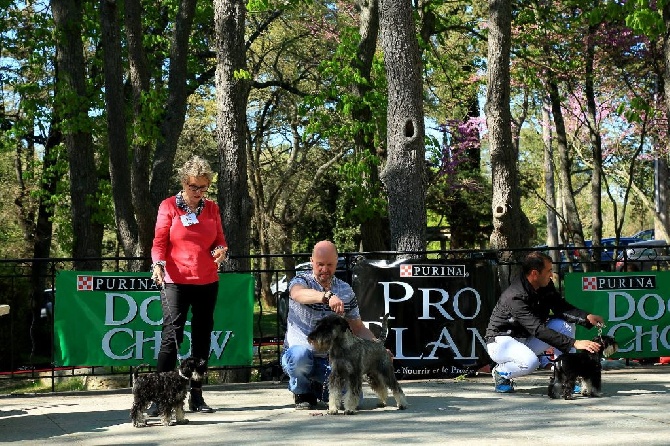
column 634, row 411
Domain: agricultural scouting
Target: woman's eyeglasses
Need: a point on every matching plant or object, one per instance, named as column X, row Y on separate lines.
column 194, row 188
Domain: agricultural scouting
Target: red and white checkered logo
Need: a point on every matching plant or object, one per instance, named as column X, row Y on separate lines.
column 589, row 284
column 84, row 283
column 405, row 270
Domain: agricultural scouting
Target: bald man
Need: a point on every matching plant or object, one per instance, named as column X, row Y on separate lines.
column 314, row 295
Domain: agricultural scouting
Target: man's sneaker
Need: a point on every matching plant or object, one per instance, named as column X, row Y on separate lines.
column 304, row 401
column 502, row 384
column 578, row 387
column 196, row 402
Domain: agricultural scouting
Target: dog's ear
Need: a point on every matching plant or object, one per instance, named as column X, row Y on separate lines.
column 343, row 323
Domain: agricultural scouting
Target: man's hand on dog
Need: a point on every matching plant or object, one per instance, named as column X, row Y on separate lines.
column 590, row 346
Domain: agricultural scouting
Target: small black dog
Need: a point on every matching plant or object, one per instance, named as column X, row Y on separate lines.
column 167, row 389
column 582, row 364
column 350, row 358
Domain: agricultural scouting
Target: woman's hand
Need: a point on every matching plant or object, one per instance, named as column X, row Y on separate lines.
column 157, row 275
column 220, row 255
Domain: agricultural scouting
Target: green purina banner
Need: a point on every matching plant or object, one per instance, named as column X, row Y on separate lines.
column 635, row 306
column 115, row 319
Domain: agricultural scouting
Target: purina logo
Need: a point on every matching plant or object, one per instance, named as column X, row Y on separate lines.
column 603, row 283
column 115, row 283
column 409, row 270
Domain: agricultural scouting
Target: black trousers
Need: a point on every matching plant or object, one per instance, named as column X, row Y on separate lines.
column 176, row 300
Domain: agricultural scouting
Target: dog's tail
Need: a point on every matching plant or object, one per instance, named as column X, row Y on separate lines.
column 385, row 329
column 137, row 370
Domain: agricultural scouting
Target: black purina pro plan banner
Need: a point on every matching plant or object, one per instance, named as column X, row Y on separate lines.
column 438, row 312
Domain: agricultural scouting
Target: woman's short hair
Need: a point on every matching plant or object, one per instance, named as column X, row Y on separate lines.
column 195, row 166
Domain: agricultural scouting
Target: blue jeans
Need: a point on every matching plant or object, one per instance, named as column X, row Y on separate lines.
column 307, row 373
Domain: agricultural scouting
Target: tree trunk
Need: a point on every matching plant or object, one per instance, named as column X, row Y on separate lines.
column 73, row 100
column 573, row 225
column 405, row 171
column 44, row 221
column 145, row 207
column 232, row 91
column 119, row 167
column 509, row 221
column 549, row 187
column 662, row 210
column 596, row 145
column 175, row 108
column 372, row 230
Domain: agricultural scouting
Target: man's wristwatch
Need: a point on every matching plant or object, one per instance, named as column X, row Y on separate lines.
column 326, row 297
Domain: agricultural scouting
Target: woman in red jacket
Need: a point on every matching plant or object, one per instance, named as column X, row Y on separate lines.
column 189, row 245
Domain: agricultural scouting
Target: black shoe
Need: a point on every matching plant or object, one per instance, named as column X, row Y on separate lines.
column 196, row 403
column 152, row 411
column 304, row 401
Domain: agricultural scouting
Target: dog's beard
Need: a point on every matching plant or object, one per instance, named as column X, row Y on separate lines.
column 609, row 350
column 319, row 346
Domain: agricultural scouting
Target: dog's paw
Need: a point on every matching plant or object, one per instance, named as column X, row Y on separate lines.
column 139, row 424
column 402, row 406
column 350, row 411
column 381, row 404
column 332, row 411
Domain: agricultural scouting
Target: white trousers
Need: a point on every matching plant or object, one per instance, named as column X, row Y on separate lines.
column 518, row 356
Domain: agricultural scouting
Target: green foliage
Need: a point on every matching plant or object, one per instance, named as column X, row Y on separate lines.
column 367, row 198
column 633, row 109
column 256, row 6
column 242, row 75
column 346, row 95
column 145, row 130
column 643, row 18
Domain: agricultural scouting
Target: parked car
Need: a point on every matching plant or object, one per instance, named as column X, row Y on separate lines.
column 47, row 304
column 645, row 256
column 281, row 284
column 647, row 234
column 564, row 265
column 609, row 244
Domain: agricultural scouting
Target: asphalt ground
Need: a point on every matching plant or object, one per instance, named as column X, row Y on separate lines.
column 635, row 409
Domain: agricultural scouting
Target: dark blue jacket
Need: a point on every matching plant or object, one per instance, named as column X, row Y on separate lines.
column 522, row 312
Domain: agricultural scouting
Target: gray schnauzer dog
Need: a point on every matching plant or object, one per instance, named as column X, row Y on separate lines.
column 352, row 357
column 167, row 389
column 582, row 364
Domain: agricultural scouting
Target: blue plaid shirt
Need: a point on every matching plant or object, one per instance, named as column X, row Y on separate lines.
column 302, row 318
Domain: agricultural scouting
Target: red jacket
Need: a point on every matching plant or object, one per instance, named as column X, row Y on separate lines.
column 186, row 250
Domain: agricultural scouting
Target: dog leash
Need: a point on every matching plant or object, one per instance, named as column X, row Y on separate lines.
column 600, row 326
column 174, row 331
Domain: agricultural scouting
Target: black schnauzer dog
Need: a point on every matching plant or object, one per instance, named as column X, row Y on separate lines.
column 350, row 358
column 582, row 364
column 167, row 390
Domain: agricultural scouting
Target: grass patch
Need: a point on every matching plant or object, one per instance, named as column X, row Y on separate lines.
column 32, row 385
column 265, row 322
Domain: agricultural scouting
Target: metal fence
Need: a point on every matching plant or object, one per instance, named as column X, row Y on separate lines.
column 26, row 285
